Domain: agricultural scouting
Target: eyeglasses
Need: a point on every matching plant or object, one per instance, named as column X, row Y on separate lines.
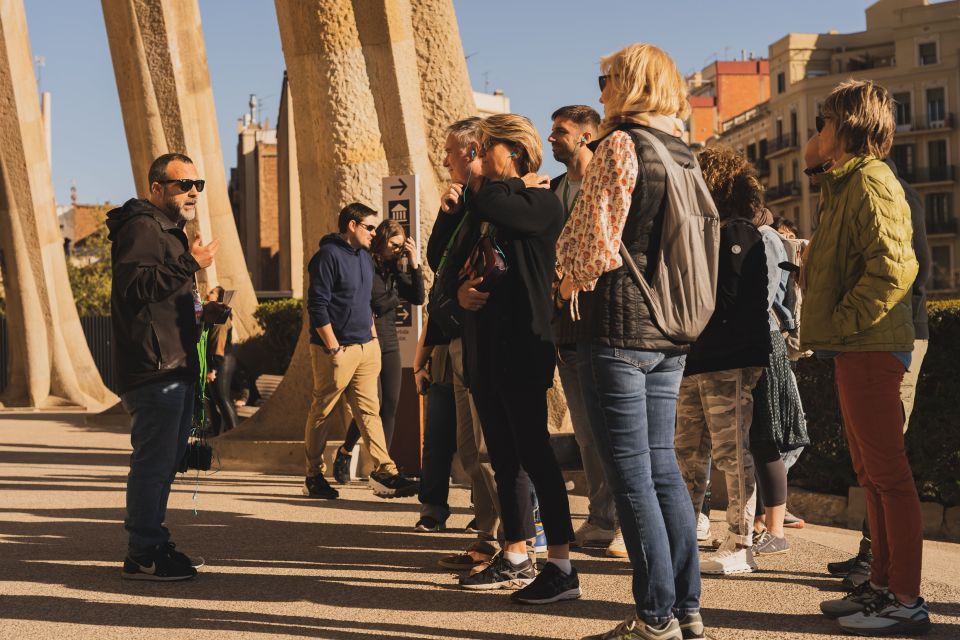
column 369, row 227
column 820, row 121
column 185, row 185
column 488, row 143
column 602, row 80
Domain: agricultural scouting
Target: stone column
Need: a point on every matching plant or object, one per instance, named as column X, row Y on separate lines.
column 50, row 364
column 340, row 159
column 160, row 62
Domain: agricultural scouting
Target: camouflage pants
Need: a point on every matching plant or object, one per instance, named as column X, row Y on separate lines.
column 714, row 412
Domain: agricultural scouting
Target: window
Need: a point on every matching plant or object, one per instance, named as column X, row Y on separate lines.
column 752, row 152
column 779, row 132
column 902, row 156
column 936, row 107
column 941, row 278
column 903, row 114
column 937, row 156
column 795, row 175
column 940, row 218
column 781, row 82
column 927, row 53
column 794, row 135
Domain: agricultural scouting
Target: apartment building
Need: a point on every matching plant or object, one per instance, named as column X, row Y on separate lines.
column 909, row 46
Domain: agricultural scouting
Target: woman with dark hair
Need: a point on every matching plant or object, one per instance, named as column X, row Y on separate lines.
column 220, row 367
column 398, row 278
column 509, row 357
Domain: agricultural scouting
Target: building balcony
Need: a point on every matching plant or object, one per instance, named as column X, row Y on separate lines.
column 929, row 175
column 783, row 144
column 948, row 225
column 920, row 125
column 783, row 191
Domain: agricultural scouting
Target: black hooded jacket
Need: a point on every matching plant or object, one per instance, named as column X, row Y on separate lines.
column 153, row 300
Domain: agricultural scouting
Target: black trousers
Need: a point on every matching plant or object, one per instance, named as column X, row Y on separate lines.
column 223, row 416
column 514, row 423
column 389, row 388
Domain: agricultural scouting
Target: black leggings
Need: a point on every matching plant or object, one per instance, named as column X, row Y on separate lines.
column 771, row 475
column 514, row 425
column 223, row 415
column 389, row 389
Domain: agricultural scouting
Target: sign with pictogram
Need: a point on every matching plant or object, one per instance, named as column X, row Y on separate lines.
column 401, row 202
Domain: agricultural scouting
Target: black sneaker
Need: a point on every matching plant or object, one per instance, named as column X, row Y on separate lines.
column 318, row 487
column 471, row 527
column 341, row 466
column 550, row 585
column 841, row 569
column 500, row 574
column 392, row 485
column 426, row 524
column 156, row 566
column 171, row 550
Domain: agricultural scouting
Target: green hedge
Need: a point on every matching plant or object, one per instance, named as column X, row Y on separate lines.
column 270, row 352
column 933, row 441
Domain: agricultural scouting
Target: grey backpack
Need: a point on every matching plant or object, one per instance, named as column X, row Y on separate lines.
column 682, row 292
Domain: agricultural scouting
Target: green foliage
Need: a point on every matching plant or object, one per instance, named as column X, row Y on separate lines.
column 89, row 273
column 933, row 441
column 281, row 321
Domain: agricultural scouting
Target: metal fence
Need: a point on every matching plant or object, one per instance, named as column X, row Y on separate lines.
column 98, row 331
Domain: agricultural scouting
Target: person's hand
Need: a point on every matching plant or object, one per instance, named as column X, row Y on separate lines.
column 536, row 181
column 423, row 380
column 566, row 288
column 214, row 312
column 239, row 402
column 449, row 200
column 211, row 375
column 410, row 248
column 468, row 296
column 203, row 254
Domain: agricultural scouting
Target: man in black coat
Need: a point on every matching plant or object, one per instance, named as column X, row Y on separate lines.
column 156, row 314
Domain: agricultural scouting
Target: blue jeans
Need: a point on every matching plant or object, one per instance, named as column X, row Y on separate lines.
column 439, row 445
column 631, row 398
column 162, row 415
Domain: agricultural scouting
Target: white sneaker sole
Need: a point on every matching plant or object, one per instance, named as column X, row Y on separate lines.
column 569, row 594
column 729, row 571
column 381, row 491
column 519, row 583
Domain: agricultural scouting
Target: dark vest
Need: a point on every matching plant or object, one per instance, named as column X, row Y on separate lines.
column 615, row 314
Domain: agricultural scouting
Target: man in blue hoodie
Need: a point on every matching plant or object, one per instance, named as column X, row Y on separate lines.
column 156, row 315
column 344, row 353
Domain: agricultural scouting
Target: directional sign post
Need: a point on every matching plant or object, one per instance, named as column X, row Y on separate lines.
column 401, row 202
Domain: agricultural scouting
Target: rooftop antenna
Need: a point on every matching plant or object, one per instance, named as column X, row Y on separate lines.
column 73, row 193
column 253, row 107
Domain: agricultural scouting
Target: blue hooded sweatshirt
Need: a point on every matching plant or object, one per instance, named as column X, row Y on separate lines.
column 341, row 284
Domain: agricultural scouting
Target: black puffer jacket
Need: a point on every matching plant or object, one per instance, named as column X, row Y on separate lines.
column 153, row 300
column 615, row 314
column 391, row 287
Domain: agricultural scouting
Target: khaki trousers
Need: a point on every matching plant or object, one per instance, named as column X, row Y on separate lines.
column 353, row 373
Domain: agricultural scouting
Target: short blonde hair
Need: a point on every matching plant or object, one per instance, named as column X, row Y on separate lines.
column 643, row 79
column 862, row 116
column 518, row 132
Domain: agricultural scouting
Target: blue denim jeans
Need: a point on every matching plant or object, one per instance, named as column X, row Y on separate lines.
column 439, row 445
column 162, row 415
column 631, row 398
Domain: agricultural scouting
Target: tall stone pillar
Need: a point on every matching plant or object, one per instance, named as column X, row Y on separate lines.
column 160, row 62
column 340, row 159
column 50, row 364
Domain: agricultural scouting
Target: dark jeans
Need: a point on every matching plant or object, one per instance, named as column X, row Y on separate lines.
column 389, row 388
column 514, row 422
column 631, row 398
column 439, row 445
column 162, row 415
column 223, row 415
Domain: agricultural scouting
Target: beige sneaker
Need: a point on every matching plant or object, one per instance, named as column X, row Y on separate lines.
column 703, row 527
column 590, row 535
column 729, row 559
column 617, row 548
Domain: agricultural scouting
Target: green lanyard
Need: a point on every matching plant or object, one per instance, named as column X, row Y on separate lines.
column 567, row 210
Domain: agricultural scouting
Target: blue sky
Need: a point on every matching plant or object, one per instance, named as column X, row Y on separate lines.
column 541, row 54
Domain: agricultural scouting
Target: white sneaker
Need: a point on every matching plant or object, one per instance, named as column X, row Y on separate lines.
column 590, row 535
column 729, row 560
column 703, row 527
column 887, row 616
column 617, row 547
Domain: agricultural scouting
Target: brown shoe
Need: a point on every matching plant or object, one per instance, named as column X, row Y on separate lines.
column 477, row 554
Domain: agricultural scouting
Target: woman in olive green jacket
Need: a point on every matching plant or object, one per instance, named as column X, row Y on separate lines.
column 858, row 272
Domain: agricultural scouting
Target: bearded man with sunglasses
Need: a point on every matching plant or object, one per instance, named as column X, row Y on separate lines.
column 156, row 314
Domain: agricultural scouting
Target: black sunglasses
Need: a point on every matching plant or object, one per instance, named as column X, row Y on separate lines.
column 818, row 169
column 819, row 122
column 186, row 185
column 369, row 227
column 602, row 80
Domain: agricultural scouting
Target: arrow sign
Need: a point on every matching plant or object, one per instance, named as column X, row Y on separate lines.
column 402, row 313
column 400, row 187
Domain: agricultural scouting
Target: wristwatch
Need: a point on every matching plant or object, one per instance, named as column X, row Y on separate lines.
column 333, row 352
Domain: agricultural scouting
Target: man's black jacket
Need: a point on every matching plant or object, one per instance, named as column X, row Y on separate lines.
column 153, row 297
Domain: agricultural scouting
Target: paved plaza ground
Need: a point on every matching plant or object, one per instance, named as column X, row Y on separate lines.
column 282, row 566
